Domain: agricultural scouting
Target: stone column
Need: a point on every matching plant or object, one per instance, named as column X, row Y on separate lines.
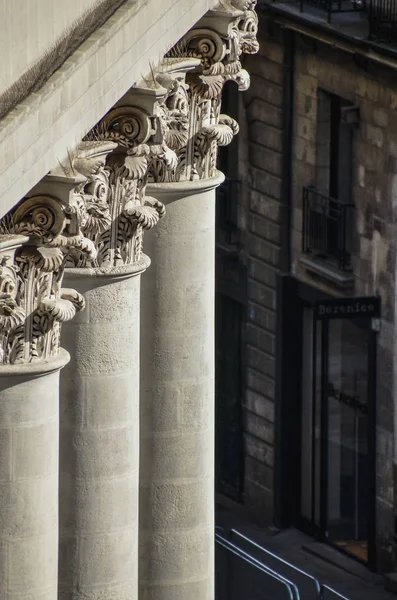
column 99, row 452
column 32, row 307
column 177, row 397
column 100, row 438
column 177, row 326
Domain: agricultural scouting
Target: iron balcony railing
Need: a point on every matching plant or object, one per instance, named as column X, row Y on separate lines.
column 382, row 17
column 333, row 6
column 327, row 228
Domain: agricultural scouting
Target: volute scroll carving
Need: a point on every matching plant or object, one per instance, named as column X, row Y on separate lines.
column 92, row 210
column 38, row 235
column 217, row 43
column 113, row 199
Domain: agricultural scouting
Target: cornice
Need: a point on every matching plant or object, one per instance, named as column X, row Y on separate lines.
column 38, row 133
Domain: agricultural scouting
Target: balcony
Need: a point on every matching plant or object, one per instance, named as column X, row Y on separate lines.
column 371, row 21
column 382, row 17
column 333, row 6
column 327, row 230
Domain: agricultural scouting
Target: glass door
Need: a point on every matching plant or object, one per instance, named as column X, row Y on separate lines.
column 337, row 431
column 310, row 434
column 346, row 419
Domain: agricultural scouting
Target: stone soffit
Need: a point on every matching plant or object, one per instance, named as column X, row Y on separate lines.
column 40, row 130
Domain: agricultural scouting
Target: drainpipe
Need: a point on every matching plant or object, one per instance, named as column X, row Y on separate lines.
column 285, row 428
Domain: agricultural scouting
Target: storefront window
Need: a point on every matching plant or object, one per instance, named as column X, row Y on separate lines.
column 348, row 434
column 338, row 370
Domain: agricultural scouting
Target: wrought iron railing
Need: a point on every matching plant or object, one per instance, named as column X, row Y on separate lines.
column 382, row 16
column 327, row 228
column 334, row 6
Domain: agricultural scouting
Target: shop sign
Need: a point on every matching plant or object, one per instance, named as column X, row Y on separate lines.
column 348, row 308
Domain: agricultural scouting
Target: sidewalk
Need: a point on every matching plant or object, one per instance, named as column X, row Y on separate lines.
column 329, row 566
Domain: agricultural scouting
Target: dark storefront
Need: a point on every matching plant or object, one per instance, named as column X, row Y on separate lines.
column 326, row 473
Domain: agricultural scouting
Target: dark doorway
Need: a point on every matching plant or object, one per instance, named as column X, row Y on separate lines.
column 333, row 408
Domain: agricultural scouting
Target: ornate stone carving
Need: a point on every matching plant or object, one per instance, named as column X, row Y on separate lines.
column 197, row 127
column 37, row 236
column 113, row 202
column 176, row 111
column 12, row 316
column 91, row 196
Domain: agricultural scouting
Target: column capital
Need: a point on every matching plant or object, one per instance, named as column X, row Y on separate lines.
column 194, row 129
column 91, row 196
column 218, row 40
column 35, row 238
column 192, row 104
column 130, row 138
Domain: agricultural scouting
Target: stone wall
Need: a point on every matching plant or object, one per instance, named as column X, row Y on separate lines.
column 374, row 232
column 261, row 185
column 375, row 198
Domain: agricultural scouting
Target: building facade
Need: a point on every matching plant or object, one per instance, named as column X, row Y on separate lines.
column 306, row 270
column 110, row 126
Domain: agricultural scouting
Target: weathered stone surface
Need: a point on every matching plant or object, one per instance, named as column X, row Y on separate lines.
column 99, row 453
column 374, row 246
column 177, row 395
column 29, row 441
column 48, row 123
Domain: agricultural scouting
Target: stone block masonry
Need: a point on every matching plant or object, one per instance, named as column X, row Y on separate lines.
column 263, row 216
column 374, row 190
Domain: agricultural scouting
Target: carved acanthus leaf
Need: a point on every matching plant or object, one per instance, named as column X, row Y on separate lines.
column 98, row 217
column 222, row 133
column 47, row 260
column 248, row 32
column 136, row 162
column 115, row 220
column 148, row 215
column 218, row 42
column 241, row 78
column 207, row 86
column 11, row 315
column 64, row 308
column 168, row 156
column 73, row 297
column 177, row 136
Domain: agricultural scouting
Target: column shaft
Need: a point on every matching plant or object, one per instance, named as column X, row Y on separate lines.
column 99, row 452
column 29, row 418
column 177, row 397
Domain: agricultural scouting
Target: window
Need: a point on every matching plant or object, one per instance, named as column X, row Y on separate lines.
column 328, row 206
column 334, row 147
